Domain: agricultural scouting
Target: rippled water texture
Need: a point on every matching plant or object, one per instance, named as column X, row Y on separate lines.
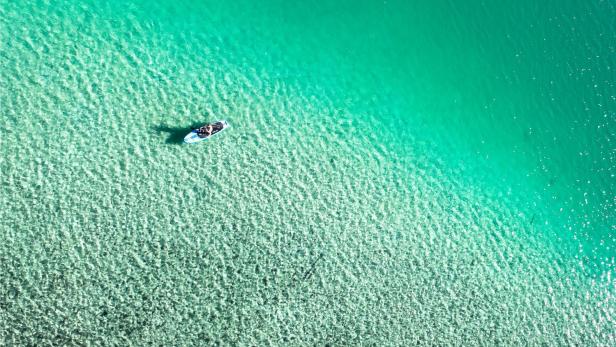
column 396, row 173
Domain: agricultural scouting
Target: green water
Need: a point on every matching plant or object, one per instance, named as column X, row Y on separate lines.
column 396, row 173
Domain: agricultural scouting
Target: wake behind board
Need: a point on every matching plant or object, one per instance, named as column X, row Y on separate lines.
column 194, row 136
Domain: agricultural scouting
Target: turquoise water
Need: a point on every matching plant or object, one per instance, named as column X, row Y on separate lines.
column 396, row 173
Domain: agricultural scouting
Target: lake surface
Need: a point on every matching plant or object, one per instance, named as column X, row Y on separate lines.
column 396, row 173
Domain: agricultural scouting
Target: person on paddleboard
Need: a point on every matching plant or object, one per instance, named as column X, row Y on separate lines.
column 205, row 131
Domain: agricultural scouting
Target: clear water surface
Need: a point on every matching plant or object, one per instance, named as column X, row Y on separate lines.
column 397, row 173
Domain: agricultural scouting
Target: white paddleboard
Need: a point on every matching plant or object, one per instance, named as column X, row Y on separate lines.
column 194, row 137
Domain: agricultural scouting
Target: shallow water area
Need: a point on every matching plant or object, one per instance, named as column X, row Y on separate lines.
column 395, row 173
